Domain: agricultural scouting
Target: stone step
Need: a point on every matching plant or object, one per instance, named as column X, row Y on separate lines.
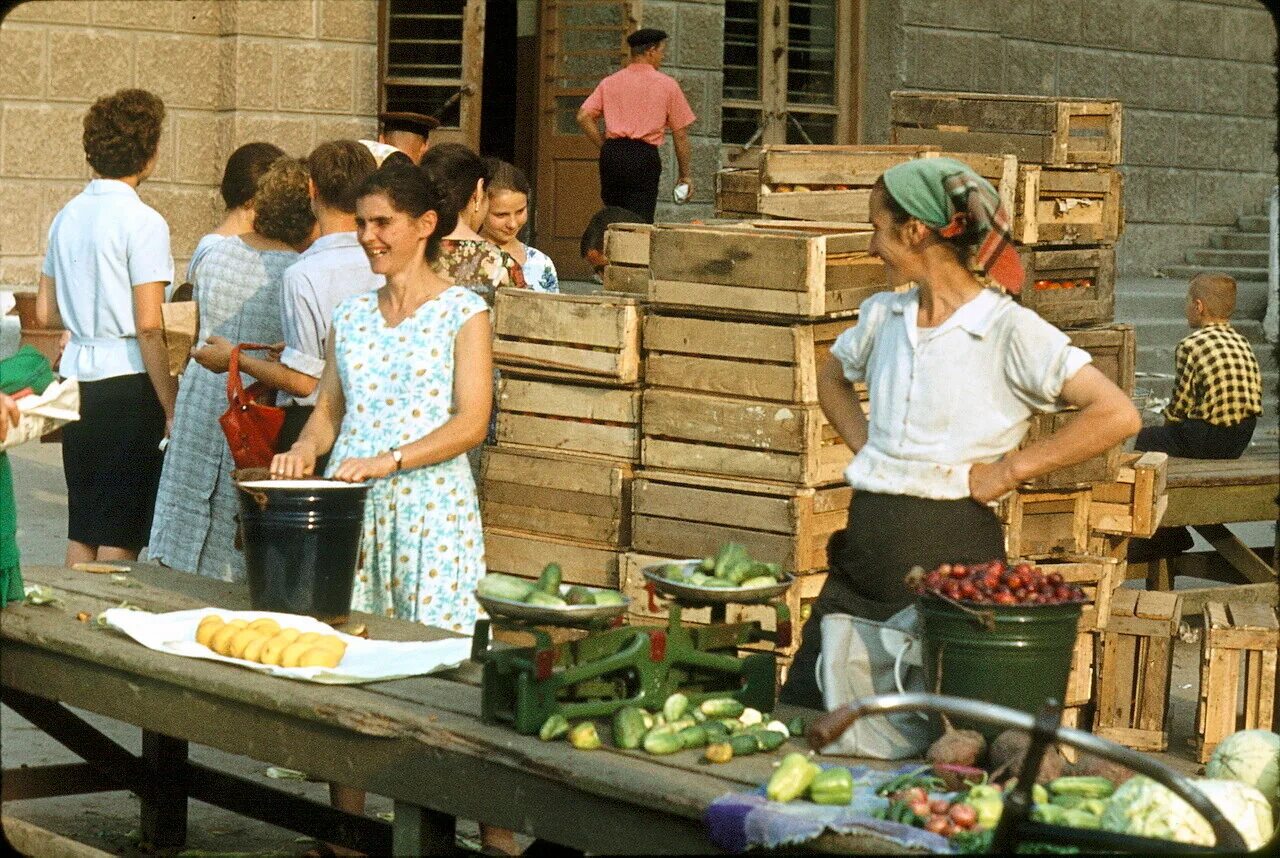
column 1253, row 223
column 1215, row 258
column 1166, row 331
column 1137, row 301
column 1186, row 272
column 1240, row 241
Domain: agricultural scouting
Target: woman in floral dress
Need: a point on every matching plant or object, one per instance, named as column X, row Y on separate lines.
column 508, row 193
column 406, row 392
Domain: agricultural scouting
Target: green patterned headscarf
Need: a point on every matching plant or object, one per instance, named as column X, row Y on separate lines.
column 949, row 196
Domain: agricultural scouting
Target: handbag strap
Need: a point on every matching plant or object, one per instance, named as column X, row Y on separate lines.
column 235, row 387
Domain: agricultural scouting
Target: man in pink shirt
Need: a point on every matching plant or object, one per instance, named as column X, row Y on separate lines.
column 638, row 104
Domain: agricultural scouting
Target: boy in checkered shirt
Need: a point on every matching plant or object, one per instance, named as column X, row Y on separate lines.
column 1217, row 394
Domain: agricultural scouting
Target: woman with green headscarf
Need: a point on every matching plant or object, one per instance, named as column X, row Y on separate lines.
column 25, row 370
column 955, row 370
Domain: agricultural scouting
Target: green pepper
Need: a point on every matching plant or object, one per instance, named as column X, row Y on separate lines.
column 832, row 786
column 553, row 728
column 791, row 778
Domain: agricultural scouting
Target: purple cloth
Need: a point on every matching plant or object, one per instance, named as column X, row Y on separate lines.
column 739, row 821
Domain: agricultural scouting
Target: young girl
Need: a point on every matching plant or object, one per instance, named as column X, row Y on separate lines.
column 508, row 192
column 405, row 393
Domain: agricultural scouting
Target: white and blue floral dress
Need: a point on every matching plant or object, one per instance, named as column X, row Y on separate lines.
column 423, row 548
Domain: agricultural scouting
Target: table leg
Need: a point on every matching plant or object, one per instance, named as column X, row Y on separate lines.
column 1239, row 555
column 420, row 831
column 1159, row 575
column 164, row 791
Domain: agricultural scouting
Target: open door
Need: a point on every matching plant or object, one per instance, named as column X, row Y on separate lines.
column 582, row 42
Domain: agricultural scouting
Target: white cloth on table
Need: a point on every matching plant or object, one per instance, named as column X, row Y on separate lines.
column 330, row 271
column 194, row 527
column 102, row 243
column 944, row 398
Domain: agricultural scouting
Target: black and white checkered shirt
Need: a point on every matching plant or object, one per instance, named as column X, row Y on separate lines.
column 1218, row 379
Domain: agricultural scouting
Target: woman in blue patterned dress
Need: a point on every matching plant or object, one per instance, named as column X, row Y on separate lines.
column 406, row 392
column 239, row 296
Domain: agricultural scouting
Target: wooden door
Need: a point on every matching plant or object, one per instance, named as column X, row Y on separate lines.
column 582, row 41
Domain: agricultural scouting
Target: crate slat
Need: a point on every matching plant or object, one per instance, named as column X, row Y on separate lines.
column 1114, row 349
column 525, row 555
column 1070, row 287
column 1100, row 468
column 569, row 418
column 627, row 244
column 596, row 337
column 1040, row 524
column 1240, row 640
column 1136, row 667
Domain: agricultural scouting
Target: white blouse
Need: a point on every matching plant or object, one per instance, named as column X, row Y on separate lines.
column 102, row 244
column 944, row 398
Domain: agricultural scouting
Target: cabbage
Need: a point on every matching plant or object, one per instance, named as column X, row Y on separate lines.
column 1143, row 807
column 1251, row 757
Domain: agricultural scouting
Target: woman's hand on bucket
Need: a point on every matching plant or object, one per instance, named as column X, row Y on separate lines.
column 359, row 470
column 297, row 464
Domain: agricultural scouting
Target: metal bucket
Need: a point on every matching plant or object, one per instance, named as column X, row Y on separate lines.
column 302, row 544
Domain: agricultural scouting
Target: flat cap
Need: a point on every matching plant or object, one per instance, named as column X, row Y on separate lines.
column 417, row 123
column 646, row 36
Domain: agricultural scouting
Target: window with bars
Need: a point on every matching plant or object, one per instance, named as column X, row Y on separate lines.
column 788, row 71
column 423, row 64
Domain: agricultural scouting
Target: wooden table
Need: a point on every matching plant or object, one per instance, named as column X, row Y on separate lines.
column 1208, row 494
column 418, row 741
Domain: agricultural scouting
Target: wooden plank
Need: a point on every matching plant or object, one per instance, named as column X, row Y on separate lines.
column 621, row 442
column 1239, row 555
column 611, row 322
column 814, row 468
column 577, row 401
column 526, row 554
column 1266, row 690
column 1194, row 599
column 735, row 258
column 1102, row 467
column 1113, row 349
column 628, row 279
column 627, row 244
column 731, row 422
column 554, row 471
column 1138, row 740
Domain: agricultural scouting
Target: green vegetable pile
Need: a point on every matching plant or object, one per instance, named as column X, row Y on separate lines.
column 730, row 567
column 546, row 591
column 798, row 776
column 723, row 726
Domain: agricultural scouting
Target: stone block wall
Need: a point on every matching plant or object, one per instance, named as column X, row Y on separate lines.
column 1197, row 79
column 291, row 72
column 695, row 57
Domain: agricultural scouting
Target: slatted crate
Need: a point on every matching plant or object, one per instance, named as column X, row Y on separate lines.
column 1054, row 205
column 523, row 554
column 1046, row 524
column 1240, row 642
column 551, row 494
column 1104, row 466
column 595, row 338
column 626, row 246
column 627, row 280
column 1114, row 349
column 1071, row 287
column 651, row 609
column 1037, row 129
column 731, row 437
column 1097, row 575
column 1135, row 667
column 752, row 360
column 570, row 418
column 1134, row 503
column 692, row 516
column 752, row 273
column 1080, row 680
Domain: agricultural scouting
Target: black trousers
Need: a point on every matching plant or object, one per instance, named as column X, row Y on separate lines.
column 885, row 537
column 629, row 172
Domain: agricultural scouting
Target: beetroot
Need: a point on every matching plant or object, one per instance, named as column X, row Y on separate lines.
column 955, row 776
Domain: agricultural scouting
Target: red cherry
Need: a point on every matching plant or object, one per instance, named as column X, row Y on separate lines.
column 1054, row 578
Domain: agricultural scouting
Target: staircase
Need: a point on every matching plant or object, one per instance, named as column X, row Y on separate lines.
column 1240, row 252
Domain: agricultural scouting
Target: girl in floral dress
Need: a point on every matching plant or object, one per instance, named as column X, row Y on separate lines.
column 508, row 212
column 406, row 392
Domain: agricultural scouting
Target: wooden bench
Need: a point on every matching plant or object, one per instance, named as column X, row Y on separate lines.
column 1207, row 495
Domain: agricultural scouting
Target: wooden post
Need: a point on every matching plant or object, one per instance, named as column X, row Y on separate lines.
column 420, row 831
column 164, row 791
column 1239, row 638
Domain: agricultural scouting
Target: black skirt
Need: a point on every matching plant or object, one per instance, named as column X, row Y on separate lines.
column 885, row 537
column 112, row 459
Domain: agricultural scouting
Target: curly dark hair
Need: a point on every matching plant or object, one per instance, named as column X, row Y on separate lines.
column 411, row 191
column 122, row 132
column 454, row 169
column 245, row 168
column 282, row 206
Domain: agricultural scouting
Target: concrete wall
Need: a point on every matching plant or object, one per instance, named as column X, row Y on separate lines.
column 1197, row 79
column 695, row 57
column 291, row 72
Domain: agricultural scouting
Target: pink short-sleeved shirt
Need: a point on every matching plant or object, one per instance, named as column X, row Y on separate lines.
column 639, row 102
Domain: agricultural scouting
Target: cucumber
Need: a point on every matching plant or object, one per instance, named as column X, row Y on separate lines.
column 498, row 586
column 608, row 597
column 693, row 737
column 553, row 728
column 673, row 572
column 722, row 707
column 708, row 564
column 579, row 595
column 675, row 707
column 768, row 740
column 743, row 745
column 661, row 741
column 629, row 727
column 549, row 580
column 537, row 597
column 716, row 730
column 759, row 581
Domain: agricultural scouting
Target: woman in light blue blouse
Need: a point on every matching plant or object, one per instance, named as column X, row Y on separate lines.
column 508, row 191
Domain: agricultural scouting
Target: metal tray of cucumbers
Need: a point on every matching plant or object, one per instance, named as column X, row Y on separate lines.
column 494, row 587
column 692, row 590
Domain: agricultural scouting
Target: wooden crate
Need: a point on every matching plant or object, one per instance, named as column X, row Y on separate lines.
column 1239, row 640
column 627, row 280
column 752, row 360
column 1037, row 129
column 1078, row 717
column 1097, row 575
column 1114, row 349
column 569, row 418
column 627, row 244
column 751, row 272
column 1104, row 466
column 1054, row 205
column 1071, row 287
column 551, row 494
column 725, row 436
column 563, row 336
column 1080, row 680
column 1134, row 668
column 1043, row 524
column 646, row 609
column 1134, row 503
column 688, row 515
column 523, row 554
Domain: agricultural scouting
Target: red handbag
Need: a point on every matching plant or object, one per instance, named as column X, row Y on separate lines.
column 251, row 427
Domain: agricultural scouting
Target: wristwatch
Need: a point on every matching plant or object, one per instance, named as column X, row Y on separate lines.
column 398, row 457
